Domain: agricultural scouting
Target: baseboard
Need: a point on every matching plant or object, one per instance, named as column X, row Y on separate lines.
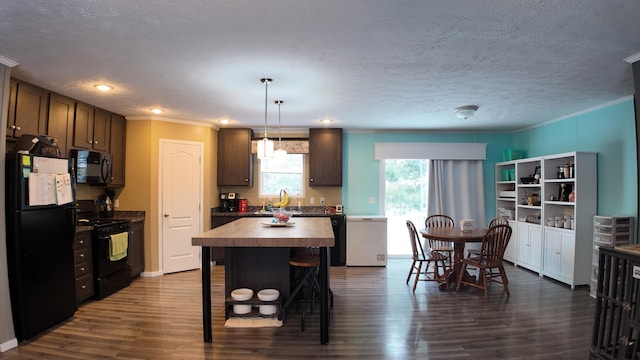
column 9, row 345
column 151, row 274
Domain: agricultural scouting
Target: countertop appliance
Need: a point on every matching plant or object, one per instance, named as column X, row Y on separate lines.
column 366, row 240
column 91, row 167
column 229, row 202
column 41, row 219
column 110, row 276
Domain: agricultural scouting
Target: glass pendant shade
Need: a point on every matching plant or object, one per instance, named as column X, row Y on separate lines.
column 265, row 148
column 280, row 155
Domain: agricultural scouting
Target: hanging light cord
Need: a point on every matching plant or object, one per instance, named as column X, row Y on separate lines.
column 266, row 82
column 279, row 102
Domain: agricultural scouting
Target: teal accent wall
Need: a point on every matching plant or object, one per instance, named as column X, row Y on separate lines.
column 361, row 172
column 610, row 132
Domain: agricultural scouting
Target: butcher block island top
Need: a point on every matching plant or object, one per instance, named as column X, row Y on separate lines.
column 251, row 232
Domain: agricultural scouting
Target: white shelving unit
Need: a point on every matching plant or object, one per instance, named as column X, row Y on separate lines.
column 550, row 248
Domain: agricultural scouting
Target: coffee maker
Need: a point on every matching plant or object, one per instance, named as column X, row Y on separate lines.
column 229, row 202
column 232, row 199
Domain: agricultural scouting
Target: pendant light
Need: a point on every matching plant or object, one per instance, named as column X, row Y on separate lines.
column 280, row 155
column 265, row 146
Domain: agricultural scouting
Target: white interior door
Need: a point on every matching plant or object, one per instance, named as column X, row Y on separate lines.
column 180, row 204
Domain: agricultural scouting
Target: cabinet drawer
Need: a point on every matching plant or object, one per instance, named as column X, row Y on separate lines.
column 81, row 256
column 611, row 220
column 82, row 241
column 84, row 287
column 608, row 239
column 621, row 229
column 83, row 269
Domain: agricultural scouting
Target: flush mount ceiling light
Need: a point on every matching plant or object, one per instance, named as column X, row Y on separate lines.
column 156, row 111
column 265, row 146
column 465, row 112
column 280, row 154
column 103, row 87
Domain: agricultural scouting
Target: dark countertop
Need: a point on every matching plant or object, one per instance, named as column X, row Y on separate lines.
column 133, row 216
column 307, row 211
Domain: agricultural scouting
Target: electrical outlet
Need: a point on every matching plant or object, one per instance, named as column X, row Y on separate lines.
column 322, row 201
column 312, row 201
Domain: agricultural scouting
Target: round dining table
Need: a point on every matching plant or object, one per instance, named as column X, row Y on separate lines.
column 459, row 238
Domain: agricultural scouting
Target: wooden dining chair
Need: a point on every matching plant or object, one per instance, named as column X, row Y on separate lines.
column 494, row 243
column 475, row 252
column 445, row 247
column 420, row 257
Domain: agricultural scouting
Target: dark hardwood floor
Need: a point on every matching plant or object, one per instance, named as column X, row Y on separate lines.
column 375, row 316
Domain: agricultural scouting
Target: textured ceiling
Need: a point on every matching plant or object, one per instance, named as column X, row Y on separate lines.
column 366, row 64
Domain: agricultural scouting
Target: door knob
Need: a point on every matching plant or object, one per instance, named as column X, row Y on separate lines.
column 166, row 215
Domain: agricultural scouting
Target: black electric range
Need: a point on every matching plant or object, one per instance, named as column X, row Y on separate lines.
column 110, row 274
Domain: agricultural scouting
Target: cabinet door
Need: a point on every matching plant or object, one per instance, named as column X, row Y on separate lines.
column 135, row 253
column 535, row 242
column 30, row 110
column 60, row 121
column 101, row 130
column 83, row 126
column 552, row 251
column 117, row 149
column 510, row 254
column 13, row 90
column 235, row 161
column 325, row 157
column 523, row 243
column 567, row 254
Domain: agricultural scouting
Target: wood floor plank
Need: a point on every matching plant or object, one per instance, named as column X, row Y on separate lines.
column 375, row 316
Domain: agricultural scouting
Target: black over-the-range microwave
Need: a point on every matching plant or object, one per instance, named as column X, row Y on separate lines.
column 91, row 167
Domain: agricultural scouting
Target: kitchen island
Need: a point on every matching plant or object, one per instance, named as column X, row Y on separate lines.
column 267, row 249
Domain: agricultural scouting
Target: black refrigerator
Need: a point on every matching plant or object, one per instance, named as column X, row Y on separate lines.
column 41, row 218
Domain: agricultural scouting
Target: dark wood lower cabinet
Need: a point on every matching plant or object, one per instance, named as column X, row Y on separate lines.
column 83, row 266
column 135, row 253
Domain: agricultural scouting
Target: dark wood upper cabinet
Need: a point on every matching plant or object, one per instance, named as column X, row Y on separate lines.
column 92, row 128
column 102, row 130
column 117, row 149
column 325, row 157
column 27, row 109
column 83, row 126
column 235, row 161
column 60, row 122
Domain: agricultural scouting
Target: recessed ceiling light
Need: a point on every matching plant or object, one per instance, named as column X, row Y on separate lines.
column 103, row 87
column 224, row 121
column 326, row 121
column 156, row 111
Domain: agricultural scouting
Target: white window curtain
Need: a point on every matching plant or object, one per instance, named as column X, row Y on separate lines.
column 456, row 188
